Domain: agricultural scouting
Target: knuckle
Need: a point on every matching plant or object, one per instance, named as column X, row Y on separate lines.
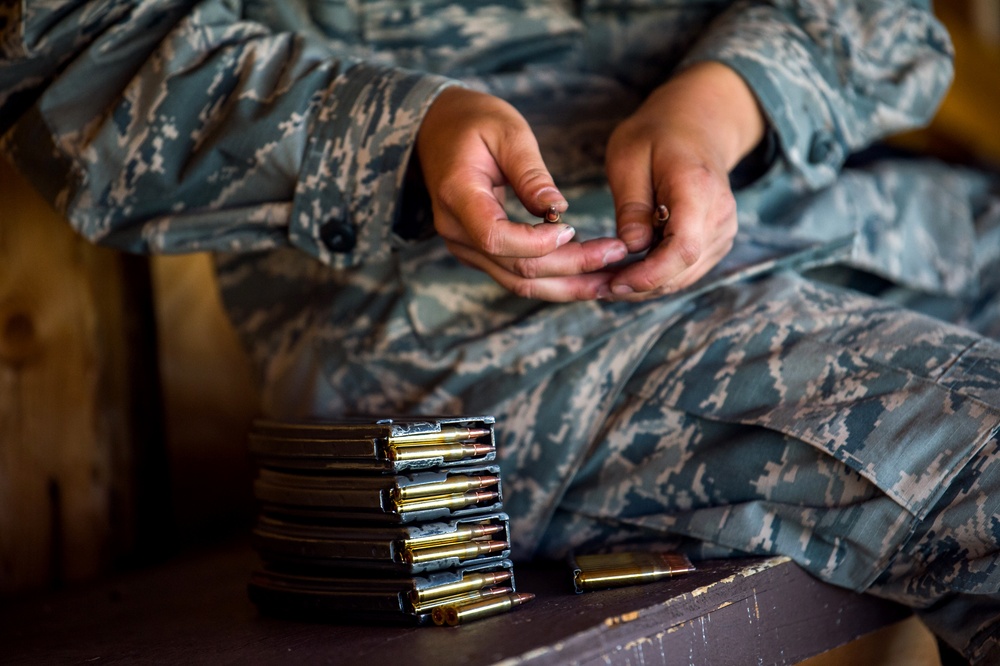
column 703, row 176
column 593, row 263
column 632, row 208
column 688, row 250
column 532, row 178
column 449, row 190
column 646, row 283
column 697, row 179
column 526, row 268
column 490, row 240
column 524, row 289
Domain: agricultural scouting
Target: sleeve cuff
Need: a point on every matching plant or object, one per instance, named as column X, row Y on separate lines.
column 348, row 195
column 825, row 91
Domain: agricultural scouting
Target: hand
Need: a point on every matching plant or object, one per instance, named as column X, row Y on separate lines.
column 677, row 150
column 470, row 145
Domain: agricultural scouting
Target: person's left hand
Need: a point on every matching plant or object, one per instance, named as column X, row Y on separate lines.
column 676, row 151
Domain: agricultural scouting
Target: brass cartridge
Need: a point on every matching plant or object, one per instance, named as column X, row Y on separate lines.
column 459, row 483
column 447, row 501
column 477, row 610
column 444, row 436
column 463, row 551
column 458, row 536
column 593, row 572
column 468, row 583
column 447, row 452
column 468, row 597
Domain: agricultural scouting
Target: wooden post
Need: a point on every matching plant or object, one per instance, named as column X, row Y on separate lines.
column 66, row 508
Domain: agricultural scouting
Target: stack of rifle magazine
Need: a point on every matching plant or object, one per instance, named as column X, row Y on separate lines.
column 381, row 520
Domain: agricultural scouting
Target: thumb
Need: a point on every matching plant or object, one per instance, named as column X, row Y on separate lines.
column 519, row 159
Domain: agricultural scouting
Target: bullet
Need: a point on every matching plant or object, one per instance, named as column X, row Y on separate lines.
column 453, row 484
column 457, row 536
column 447, row 452
column 552, row 215
column 620, row 569
column 463, row 551
column 448, row 501
column 458, row 599
column 443, row 436
column 468, row 583
column 662, row 215
column 476, row 610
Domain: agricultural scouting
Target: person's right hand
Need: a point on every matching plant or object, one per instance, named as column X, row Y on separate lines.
column 470, row 145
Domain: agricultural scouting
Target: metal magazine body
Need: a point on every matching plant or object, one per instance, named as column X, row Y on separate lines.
column 381, row 597
column 418, row 548
column 398, row 498
column 374, row 446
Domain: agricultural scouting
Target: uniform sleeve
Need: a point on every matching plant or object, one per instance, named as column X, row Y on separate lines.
column 832, row 77
column 172, row 126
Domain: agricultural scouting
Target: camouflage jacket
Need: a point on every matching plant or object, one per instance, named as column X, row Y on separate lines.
column 181, row 125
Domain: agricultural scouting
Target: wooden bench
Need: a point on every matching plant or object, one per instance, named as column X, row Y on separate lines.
column 196, row 610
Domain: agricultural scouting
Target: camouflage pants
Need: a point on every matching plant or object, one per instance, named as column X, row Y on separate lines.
column 775, row 414
column 698, row 454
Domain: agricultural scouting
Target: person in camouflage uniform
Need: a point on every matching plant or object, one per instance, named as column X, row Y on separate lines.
column 806, row 365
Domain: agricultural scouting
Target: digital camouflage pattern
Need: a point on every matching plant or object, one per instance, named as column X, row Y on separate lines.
column 790, row 403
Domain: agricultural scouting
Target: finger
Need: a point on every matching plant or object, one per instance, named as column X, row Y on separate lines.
column 472, row 216
column 686, row 279
column 685, row 244
column 584, row 287
column 570, row 259
column 632, row 190
column 521, row 163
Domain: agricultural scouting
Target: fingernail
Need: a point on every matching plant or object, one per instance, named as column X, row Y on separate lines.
column 565, row 236
column 616, row 254
column 632, row 233
column 622, row 290
column 603, row 292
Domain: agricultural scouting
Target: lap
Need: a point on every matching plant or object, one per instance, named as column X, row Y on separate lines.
column 786, row 416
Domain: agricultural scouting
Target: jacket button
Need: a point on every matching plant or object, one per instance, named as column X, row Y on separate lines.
column 824, row 149
column 339, row 236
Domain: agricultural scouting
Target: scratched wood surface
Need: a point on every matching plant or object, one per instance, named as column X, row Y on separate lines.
column 195, row 610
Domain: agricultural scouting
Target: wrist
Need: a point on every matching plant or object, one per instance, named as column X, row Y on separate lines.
column 714, row 98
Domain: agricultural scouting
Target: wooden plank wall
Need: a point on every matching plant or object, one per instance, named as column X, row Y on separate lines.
column 65, row 486
column 124, row 402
